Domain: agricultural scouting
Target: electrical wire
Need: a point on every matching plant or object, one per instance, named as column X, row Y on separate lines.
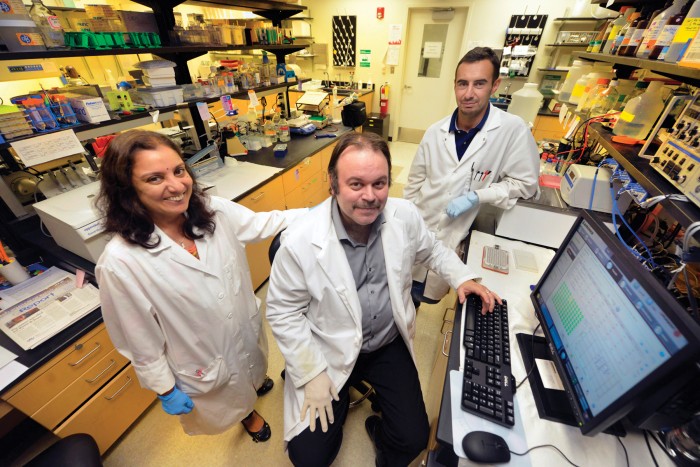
column 651, row 452
column 615, row 208
column 544, row 446
column 627, row 457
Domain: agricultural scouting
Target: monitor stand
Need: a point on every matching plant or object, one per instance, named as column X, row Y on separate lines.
column 551, row 404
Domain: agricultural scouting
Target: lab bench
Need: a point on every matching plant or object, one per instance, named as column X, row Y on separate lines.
column 77, row 381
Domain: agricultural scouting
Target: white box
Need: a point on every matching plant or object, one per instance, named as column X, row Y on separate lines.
column 89, row 109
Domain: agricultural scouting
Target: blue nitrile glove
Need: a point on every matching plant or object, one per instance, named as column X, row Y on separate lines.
column 462, row 204
column 176, row 403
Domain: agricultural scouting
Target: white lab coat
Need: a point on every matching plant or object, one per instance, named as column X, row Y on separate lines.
column 504, row 147
column 312, row 302
column 190, row 322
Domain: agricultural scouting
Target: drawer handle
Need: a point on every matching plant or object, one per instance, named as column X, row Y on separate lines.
column 99, row 375
column 128, row 382
column 444, row 343
column 258, row 197
column 97, row 347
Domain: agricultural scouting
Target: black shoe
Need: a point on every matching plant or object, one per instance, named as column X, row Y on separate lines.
column 261, row 435
column 266, row 386
column 372, row 424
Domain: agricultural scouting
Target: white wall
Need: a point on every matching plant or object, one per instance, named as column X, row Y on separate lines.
column 486, row 25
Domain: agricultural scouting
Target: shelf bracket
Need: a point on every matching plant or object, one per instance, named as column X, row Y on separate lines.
column 277, row 15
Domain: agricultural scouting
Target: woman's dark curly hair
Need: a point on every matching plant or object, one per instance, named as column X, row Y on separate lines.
column 118, row 201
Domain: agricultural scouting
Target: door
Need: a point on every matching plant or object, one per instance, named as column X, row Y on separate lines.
column 433, row 50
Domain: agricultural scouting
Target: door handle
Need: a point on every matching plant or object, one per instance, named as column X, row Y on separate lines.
column 406, row 86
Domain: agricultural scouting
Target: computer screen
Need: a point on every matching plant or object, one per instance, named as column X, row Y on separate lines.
column 614, row 332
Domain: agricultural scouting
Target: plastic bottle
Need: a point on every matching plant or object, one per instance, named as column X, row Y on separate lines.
column 656, row 26
column 624, row 33
column 606, row 100
column 684, row 35
column 49, row 25
column 578, row 69
column 617, row 26
column 669, row 32
column 284, row 130
column 641, row 113
column 526, row 103
column 595, row 90
column 600, row 70
column 67, row 116
column 252, row 114
column 265, row 70
column 600, row 38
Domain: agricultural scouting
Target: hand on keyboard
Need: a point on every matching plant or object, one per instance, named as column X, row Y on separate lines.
column 488, row 298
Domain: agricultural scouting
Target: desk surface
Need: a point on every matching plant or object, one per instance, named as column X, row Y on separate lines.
column 582, row 450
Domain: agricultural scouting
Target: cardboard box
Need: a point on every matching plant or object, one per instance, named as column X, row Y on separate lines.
column 138, row 21
column 89, row 109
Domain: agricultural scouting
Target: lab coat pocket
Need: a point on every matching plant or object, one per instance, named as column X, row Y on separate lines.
column 205, row 380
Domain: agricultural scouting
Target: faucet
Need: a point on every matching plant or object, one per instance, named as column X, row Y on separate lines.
column 508, row 85
column 329, row 83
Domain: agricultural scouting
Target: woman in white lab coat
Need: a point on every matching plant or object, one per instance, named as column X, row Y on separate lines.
column 175, row 286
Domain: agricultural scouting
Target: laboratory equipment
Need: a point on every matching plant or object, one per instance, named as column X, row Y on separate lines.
column 205, row 161
column 495, row 259
column 577, row 183
column 628, row 350
column 74, row 221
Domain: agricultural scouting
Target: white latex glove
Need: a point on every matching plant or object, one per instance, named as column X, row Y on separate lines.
column 317, row 396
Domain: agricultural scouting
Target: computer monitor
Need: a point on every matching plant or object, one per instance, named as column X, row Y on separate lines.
column 615, row 334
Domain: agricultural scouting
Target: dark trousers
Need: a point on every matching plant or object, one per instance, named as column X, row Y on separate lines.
column 404, row 430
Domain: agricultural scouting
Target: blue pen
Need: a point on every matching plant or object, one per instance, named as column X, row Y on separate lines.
column 326, row 135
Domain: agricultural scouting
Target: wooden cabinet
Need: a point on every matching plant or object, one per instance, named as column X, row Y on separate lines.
column 111, row 411
column 325, row 154
column 269, row 197
column 71, row 381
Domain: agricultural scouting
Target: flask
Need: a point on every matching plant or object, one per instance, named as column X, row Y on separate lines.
column 668, row 33
column 641, row 112
column 657, row 24
column 685, row 35
column 48, row 24
column 526, row 102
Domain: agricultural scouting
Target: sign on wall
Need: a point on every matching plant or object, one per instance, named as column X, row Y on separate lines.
column 344, row 40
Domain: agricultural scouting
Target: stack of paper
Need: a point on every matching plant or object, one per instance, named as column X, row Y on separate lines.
column 41, row 307
column 159, row 77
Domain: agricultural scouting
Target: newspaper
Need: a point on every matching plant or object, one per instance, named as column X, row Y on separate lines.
column 43, row 306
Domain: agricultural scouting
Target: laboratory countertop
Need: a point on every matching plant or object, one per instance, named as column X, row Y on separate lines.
column 343, row 92
column 299, row 148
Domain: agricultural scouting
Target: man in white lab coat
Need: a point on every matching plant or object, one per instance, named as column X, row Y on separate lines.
column 340, row 308
column 477, row 155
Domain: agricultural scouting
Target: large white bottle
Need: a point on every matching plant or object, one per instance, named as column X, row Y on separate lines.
column 578, row 69
column 526, row 102
column 641, row 112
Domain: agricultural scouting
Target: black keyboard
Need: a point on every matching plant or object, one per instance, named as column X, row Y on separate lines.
column 488, row 386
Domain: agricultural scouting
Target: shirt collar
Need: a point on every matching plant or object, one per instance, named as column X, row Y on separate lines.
column 478, row 127
column 340, row 228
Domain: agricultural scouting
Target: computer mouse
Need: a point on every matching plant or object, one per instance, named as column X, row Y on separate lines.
column 481, row 446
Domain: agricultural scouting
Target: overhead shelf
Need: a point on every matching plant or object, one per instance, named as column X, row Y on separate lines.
column 645, row 175
column 579, row 18
column 688, row 75
column 553, row 70
column 567, row 45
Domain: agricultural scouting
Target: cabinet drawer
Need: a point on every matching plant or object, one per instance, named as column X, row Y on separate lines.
column 299, row 197
column 326, row 154
column 269, row 197
column 111, row 411
column 80, row 390
column 300, row 173
column 61, row 371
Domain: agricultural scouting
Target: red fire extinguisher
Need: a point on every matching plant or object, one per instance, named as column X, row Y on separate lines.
column 384, row 99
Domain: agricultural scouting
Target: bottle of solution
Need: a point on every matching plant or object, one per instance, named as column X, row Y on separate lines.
column 684, row 35
column 605, row 101
column 641, row 112
column 526, row 103
column 595, row 90
column 265, row 70
column 284, row 130
column 578, row 69
column 48, row 24
column 669, row 32
column 624, row 33
column 635, row 33
column 654, row 29
column 615, row 30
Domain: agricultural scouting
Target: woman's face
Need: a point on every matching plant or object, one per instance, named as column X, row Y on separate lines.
column 162, row 183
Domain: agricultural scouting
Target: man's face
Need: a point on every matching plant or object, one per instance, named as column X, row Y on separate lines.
column 473, row 86
column 363, row 185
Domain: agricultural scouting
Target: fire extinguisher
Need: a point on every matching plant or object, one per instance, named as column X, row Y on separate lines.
column 384, row 99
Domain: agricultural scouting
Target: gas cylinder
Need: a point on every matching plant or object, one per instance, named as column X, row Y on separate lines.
column 384, row 99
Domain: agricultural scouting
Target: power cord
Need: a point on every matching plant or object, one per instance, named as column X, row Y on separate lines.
column 627, row 457
column 651, row 452
column 546, row 446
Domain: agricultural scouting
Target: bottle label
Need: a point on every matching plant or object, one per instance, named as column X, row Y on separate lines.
column 31, row 39
column 688, row 29
column 637, row 38
column 54, row 22
column 666, row 36
column 626, row 116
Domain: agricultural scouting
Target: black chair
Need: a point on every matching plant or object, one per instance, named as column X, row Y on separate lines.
column 78, row 450
column 366, row 391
